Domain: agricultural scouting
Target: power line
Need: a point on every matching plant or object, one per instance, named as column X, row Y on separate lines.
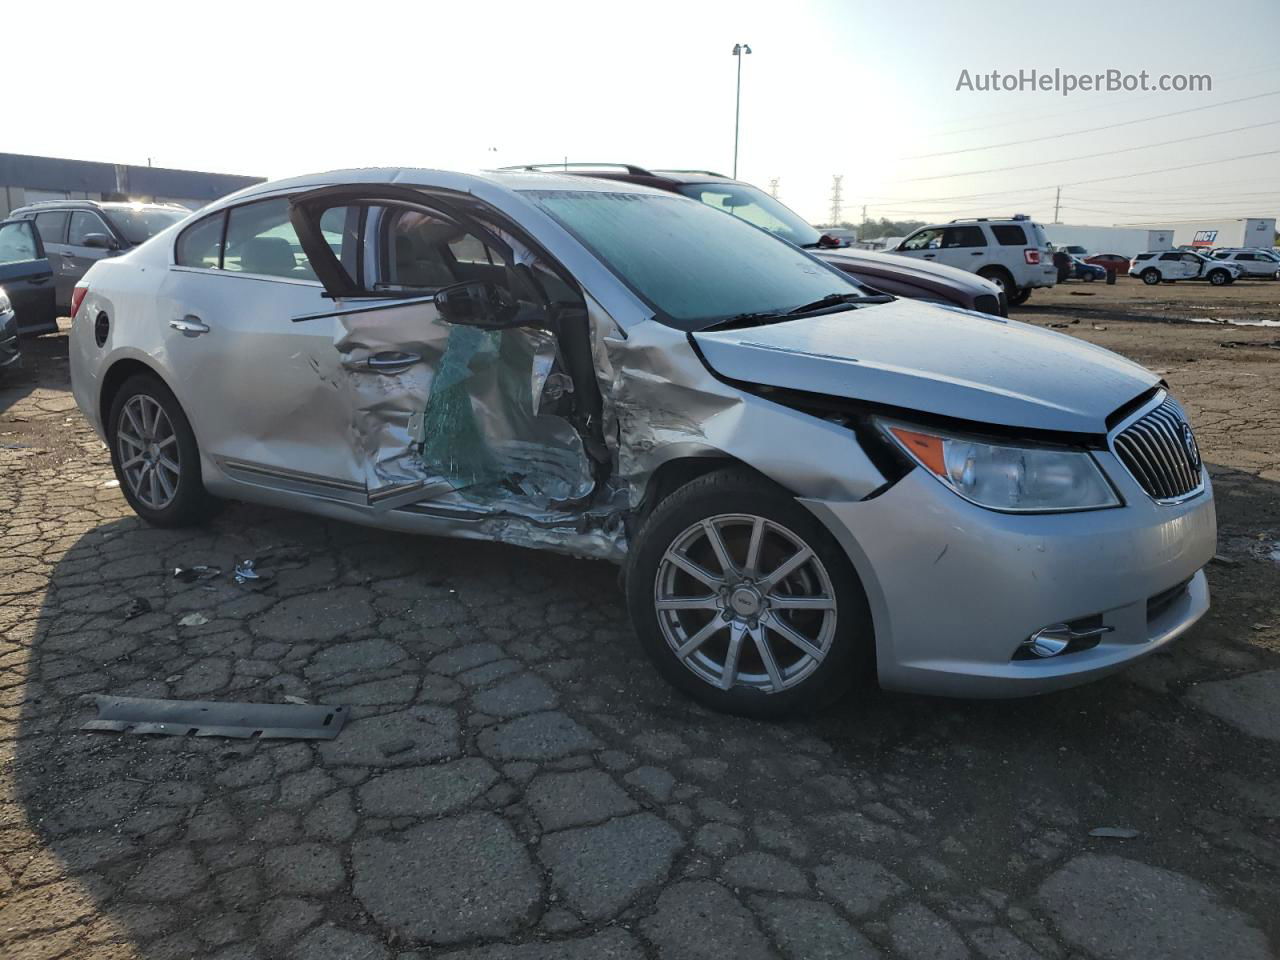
column 1091, row 156
column 1109, row 126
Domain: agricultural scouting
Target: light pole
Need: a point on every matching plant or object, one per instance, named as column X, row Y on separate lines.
column 738, row 50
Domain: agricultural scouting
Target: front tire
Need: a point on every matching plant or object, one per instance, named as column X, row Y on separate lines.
column 154, row 455
column 1219, row 278
column 745, row 602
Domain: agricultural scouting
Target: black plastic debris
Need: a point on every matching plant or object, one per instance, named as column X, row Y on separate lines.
column 207, row 718
column 137, row 607
column 199, row 571
column 1114, row 833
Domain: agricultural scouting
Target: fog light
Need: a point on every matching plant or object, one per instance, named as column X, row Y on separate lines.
column 1060, row 637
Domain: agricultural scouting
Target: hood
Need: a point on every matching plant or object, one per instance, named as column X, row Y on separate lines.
column 873, row 262
column 937, row 360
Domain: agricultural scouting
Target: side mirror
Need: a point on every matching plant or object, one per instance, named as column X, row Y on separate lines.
column 484, row 304
column 827, row 242
column 100, row 241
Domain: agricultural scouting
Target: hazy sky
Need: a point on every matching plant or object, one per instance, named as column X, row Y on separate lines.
column 853, row 88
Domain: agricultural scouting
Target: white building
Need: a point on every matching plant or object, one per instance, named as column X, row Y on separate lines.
column 1126, row 241
column 1231, row 232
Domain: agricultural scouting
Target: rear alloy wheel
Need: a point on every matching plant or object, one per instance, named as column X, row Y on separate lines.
column 744, row 601
column 1150, row 277
column 154, row 454
column 1018, row 295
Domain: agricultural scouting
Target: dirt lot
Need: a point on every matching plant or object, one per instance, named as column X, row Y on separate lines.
column 515, row 774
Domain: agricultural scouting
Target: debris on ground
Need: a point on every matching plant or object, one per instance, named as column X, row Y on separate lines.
column 1115, row 833
column 208, row 718
column 199, row 571
column 1098, row 326
column 1224, row 561
column 137, row 607
column 247, row 572
column 1264, row 344
column 193, row 620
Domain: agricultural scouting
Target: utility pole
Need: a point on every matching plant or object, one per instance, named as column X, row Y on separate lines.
column 864, row 213
column 739, row 49
column 773, row 187
column 1057, row 202
column 835, row 199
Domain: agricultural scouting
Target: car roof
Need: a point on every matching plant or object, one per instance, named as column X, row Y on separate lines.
column 41, row 206
column 481, row 183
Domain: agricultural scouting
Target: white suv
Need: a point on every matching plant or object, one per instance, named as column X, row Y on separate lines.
column 1171, row 265
column 1263, row 264
column 1013, row 254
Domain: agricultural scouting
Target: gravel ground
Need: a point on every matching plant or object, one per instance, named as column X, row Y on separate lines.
column 516, row 784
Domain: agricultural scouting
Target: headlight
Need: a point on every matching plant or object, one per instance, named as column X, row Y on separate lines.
column 1006, row 477
column 4, row 301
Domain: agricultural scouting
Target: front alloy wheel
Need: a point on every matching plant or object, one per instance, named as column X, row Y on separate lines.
column 743, row 600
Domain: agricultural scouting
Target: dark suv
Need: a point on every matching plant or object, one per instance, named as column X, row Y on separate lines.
column 885, row 272
column 78, row 233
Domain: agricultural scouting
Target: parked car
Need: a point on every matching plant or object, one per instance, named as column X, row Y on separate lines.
column 27, row 277
column 1110, row 262
column 1081, row 270
column 78, row 233
column 10, row 351
column 1073, row 249
column 842, row 236
column 931, row 282
column 806, row 482
column 1013, row 254
column 1172, row 265
column 1263, row 264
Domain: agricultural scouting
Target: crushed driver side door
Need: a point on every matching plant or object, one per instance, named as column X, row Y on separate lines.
column 446, row 414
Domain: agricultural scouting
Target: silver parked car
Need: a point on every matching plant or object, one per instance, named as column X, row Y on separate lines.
column 807, row 483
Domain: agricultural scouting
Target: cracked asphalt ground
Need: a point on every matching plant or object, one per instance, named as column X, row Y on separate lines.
column 516, row 783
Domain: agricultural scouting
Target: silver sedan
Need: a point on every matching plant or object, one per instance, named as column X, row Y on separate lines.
column 807, row 482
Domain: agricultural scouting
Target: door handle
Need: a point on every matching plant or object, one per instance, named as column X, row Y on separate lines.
column 35, row 281
column 389, row 361
column 976, row 253
column 189, row 326
column 930, row 256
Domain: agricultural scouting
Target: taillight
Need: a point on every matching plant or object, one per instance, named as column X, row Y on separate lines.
column 77, row 298
column 1032, row 257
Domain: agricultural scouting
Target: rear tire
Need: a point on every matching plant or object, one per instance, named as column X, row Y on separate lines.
column 1000, row 277
column 733, row 638
column 1150, row 277
column 154, row 455
column 1019, row 295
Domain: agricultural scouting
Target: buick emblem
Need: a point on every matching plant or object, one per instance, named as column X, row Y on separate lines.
column 1189, row 444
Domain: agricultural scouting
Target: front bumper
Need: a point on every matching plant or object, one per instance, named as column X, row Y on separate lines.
column 954, row 589
column 10, row 352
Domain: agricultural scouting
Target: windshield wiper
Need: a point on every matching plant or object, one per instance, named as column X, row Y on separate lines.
column 836, row 300
column 743, row 320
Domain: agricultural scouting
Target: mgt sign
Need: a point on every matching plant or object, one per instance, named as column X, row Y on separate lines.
column 1204, row 238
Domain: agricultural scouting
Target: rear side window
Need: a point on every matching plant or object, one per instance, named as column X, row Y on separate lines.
column 968, row 236
column 200, row 245
column 1170, row 256
column 17, row 242
column 1144, row 256
column 52, row 226
column 1009, row 235
column 261, row 240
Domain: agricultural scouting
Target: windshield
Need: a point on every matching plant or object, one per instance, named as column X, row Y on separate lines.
column 694, row 266
column 756, row 207
column 137, row 224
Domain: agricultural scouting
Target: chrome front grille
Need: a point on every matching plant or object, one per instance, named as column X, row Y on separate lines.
column 1159, row 449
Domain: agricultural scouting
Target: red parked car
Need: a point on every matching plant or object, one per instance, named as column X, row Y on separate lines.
column 895, row 275
column 1110, row 262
